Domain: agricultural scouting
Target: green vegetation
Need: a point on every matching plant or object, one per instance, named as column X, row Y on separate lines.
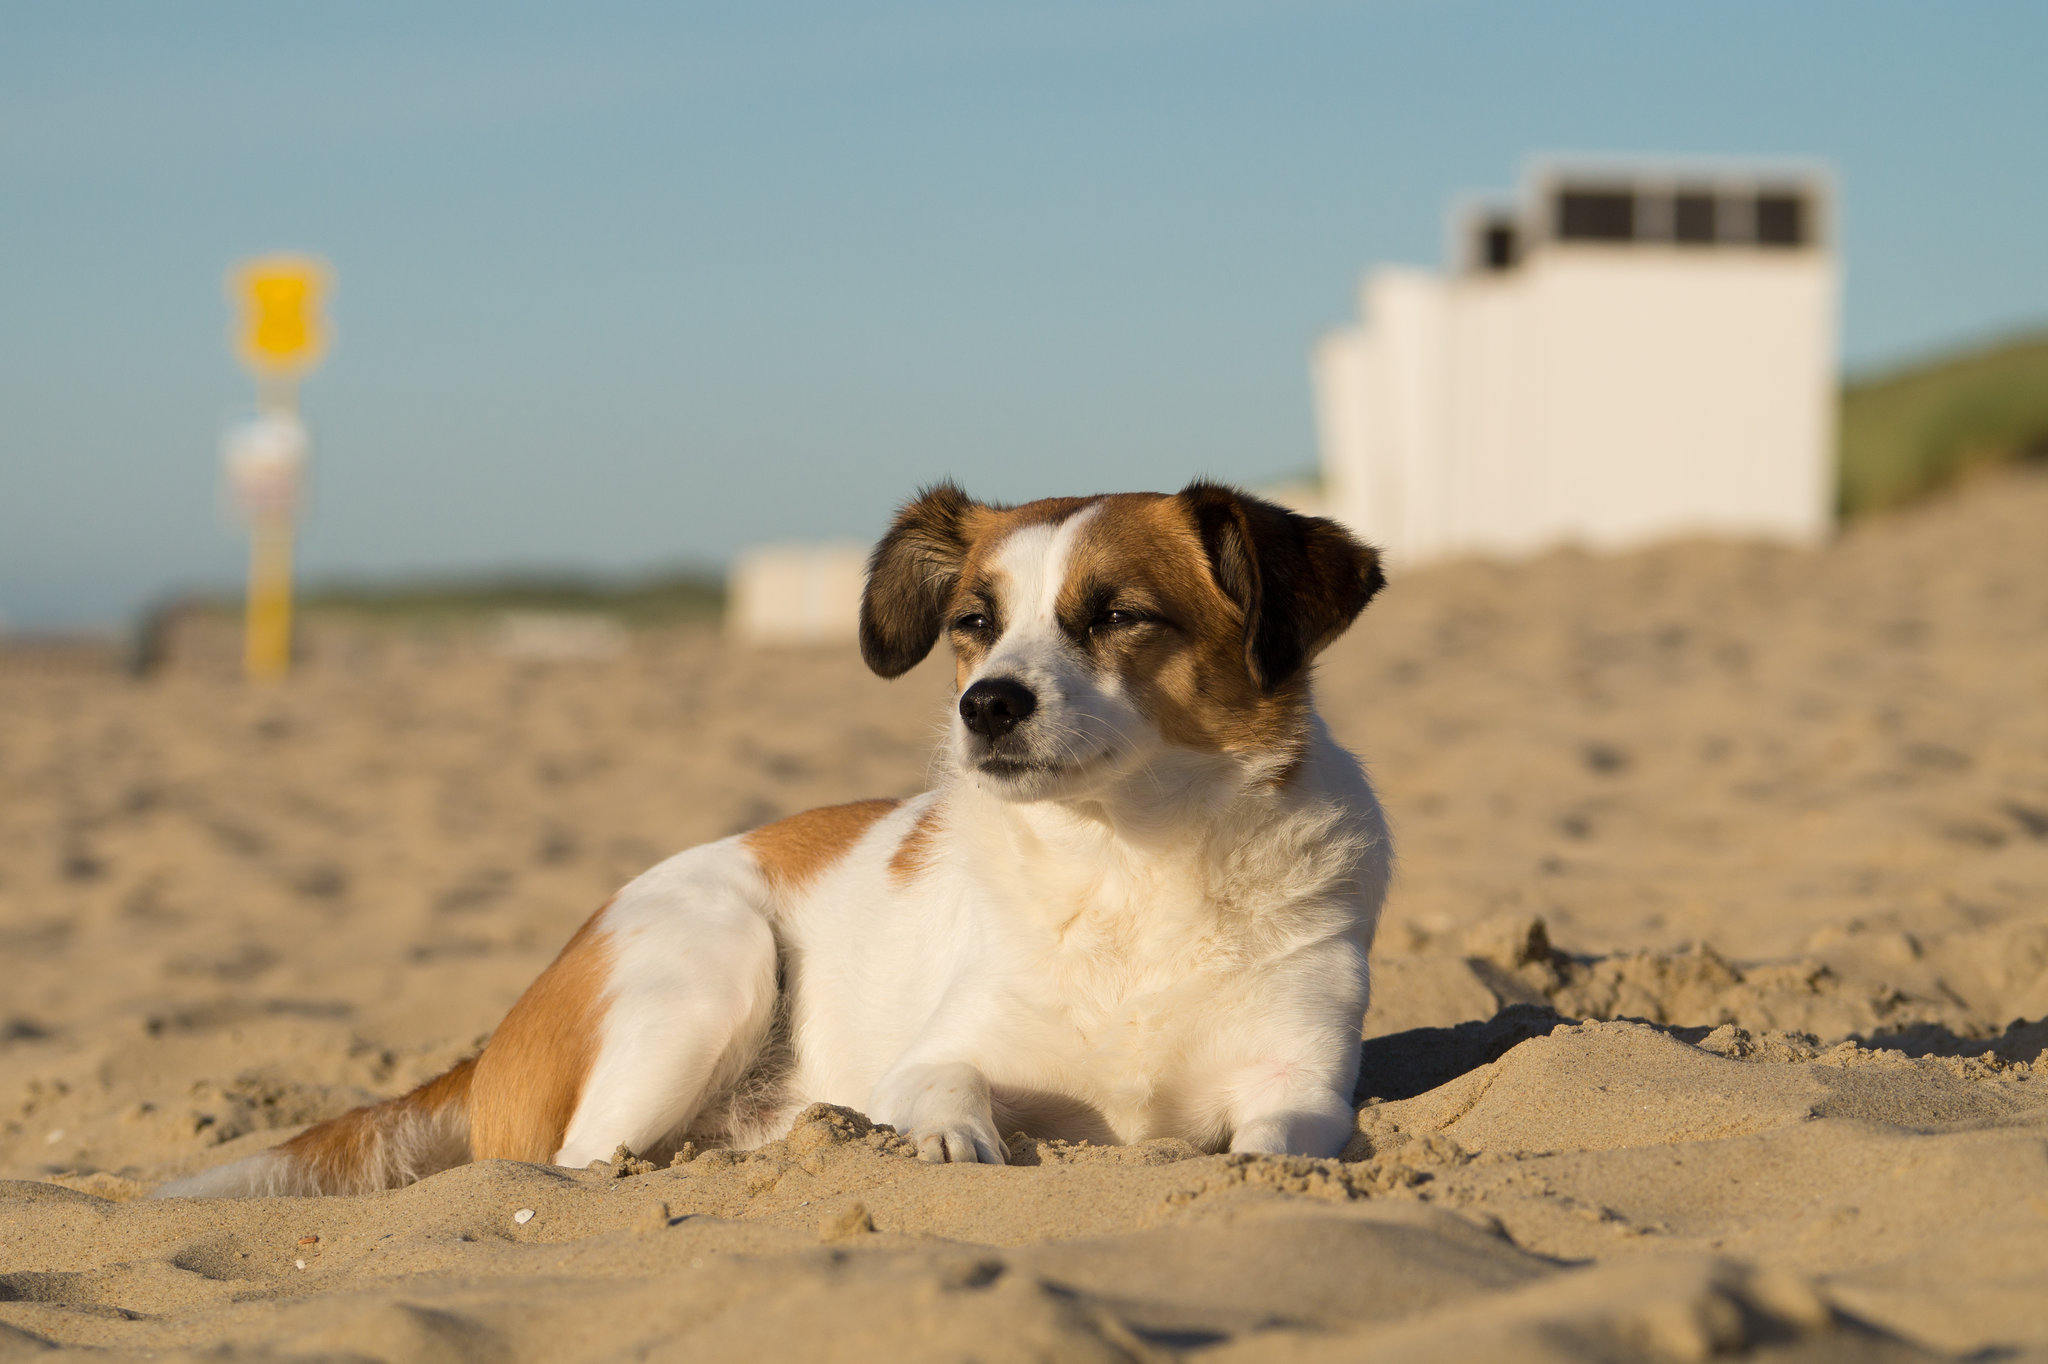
column 651, row 601
column 1910, row 431
column 665, row 600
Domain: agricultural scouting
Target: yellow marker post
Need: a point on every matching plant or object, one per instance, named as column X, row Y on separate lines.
column 267, row 630
column 281, row 336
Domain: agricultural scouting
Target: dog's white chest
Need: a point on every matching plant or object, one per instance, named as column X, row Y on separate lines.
column 1112, row 997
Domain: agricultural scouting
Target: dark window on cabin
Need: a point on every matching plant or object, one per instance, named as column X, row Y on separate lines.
column 1780, row 220
column 1692, row 216
column 1596, row 215
column 1497, row 246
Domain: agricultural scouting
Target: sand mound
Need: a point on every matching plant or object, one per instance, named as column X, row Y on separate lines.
column 1681, row 1307
column 1885, row 987
column 1711, row 1009
column 1599, row 1086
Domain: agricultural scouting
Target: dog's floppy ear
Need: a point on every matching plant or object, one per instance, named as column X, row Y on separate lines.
column 1300, row 580
column 910, row 578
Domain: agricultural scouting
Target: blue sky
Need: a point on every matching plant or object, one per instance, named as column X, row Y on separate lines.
column 623, row 286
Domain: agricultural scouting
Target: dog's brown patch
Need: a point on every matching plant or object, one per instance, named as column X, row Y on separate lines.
column 1183, row 660
column 1234, row 598
column 531, row 1074
column 914, row 853
column 793, row 852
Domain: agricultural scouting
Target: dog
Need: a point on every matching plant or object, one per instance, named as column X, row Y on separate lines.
column 1139, row 904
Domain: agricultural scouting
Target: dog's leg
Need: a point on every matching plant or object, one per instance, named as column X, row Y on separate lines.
column 1288, row 1089
column 942, row 1106
column 1316, row 1123
column 689, row 1002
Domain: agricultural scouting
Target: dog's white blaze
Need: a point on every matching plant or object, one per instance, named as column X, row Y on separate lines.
column 1031, row 568
column 1081, row 718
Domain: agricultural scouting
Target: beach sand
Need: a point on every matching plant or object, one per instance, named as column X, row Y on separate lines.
column 1709, row 1009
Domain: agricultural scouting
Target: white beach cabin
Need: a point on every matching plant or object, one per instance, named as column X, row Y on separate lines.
column 1626, row 353
column 796, row 593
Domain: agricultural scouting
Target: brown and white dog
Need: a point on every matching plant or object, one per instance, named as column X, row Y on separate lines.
column 1139, row 904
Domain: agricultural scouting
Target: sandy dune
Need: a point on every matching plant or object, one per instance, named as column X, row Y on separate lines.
column 1773, row 823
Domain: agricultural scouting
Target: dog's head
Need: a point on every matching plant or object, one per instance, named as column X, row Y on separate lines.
column 1089, row 634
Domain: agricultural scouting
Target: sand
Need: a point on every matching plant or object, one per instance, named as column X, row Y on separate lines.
column 1710, row 1012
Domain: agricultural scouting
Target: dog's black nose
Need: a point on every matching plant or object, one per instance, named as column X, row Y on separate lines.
column 993, row 706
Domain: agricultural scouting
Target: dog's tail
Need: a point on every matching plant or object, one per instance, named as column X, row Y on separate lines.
column 378, row 1146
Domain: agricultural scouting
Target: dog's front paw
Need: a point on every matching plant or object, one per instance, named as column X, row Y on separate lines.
column 1301, row 1132
column 959, row 1145
column 944, row 1110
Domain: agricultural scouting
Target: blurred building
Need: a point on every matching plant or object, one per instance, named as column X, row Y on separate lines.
column 1620, row 354
column 796, row 594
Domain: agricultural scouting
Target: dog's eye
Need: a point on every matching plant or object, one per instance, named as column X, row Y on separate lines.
column 1116, row 618
column 973, row 623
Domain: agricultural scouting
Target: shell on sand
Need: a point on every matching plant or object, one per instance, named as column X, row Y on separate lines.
column 1774, row 821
